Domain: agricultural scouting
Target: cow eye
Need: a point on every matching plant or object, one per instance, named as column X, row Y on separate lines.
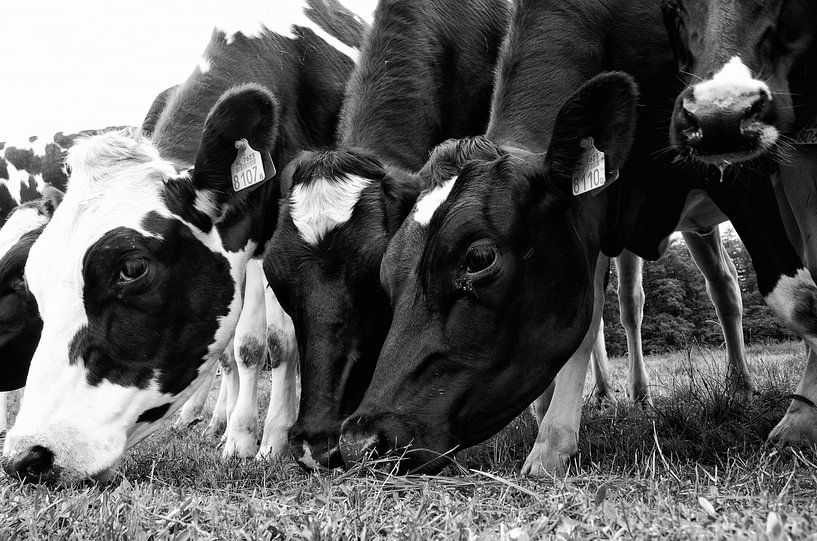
column 480, row 257
column 132, row 269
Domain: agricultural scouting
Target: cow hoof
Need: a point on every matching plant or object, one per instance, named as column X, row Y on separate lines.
column 275, row 445
column 742, row 389
column 240, row 446
column 551, row 453
column 214, row 431
column 798, row 426
column 640, row 394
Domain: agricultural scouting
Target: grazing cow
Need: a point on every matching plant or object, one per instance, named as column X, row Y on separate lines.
column 751, row 98
column 151, row 257
column 432, row 58
column 495, row 291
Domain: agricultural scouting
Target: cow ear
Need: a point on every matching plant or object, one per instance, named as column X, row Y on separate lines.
column 247, row 112
column 602, row 110
column 50, row 200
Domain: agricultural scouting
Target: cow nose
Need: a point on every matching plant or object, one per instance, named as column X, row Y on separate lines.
column 313, row 452
column 703, row 121
column 358, row 442
column 31, row 465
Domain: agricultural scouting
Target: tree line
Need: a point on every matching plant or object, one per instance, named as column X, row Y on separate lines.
column 678, row 313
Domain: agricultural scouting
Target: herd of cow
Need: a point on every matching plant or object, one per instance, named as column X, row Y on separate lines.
column 411, row 219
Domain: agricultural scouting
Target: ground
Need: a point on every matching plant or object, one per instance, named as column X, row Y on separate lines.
column 693, row 466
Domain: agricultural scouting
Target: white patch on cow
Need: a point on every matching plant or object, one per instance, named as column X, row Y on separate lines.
column 20, row 222
column 732, row 83
column 321, row 205
column 431, row 200
column 788, row 293
column 251, row 17
column 204, row 64
column 116, row 180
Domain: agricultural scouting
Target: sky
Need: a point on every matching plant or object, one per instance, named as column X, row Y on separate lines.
column 86, row 64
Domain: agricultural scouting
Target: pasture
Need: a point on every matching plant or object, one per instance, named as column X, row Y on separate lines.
column 693, row 466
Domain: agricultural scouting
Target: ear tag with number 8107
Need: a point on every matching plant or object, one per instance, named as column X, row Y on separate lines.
column 248, row 169
column 589, row 173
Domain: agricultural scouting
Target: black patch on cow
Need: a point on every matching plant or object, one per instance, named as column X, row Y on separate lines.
column 251, row 352
column 20, row 324
column 29, row 190
column 7, row 203
column 54, row 166
column 153, row 414
column 275, row 348
column 4, row 169
column 160, row 325
column 180, row 197
column 336, row 166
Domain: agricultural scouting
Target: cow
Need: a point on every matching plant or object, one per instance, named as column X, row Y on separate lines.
column 497, row 290
column 435, row 59
column 159, row 251
column 751, row 98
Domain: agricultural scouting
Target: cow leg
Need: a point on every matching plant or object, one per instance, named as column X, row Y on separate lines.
column 541, row 404
column 786, row 286
column 558, row 434
column 284, row 399
column 250, row 352
column 631, row 307
column 601, row 367
column 722, row 285
column 227, row 393
column 190, row 413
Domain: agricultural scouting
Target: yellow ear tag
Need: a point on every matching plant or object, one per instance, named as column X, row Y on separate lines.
column 807, row 135
column 589, row 172
column 248, row 168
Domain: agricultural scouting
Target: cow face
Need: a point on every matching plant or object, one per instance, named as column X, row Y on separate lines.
column 491, row 279
column 20, row 322
column 324, row 264
column 138, row 280
column 739, row 59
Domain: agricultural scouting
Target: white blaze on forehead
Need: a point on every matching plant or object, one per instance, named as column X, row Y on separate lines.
column 428, row 202
column 251, row 17
column 21, row 221
column 734, row 81
column 321, row 205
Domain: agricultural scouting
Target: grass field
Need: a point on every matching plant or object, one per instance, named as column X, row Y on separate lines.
column 694, row 466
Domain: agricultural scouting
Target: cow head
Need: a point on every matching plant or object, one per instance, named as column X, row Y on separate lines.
column 138, row 278
column 491, row 280
column 324, row 265
column 20, row 322
column 740, row 59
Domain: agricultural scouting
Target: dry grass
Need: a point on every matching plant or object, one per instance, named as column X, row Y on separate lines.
column 695, row 466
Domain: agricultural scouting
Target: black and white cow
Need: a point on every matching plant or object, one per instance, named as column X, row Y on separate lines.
column 751, row 98
column 495, row 290
column 432, row 58
column 152, row 257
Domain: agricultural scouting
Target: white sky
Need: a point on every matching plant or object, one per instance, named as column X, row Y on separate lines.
column 69, row 65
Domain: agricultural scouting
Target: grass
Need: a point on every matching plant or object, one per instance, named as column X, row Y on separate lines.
column 694, row 466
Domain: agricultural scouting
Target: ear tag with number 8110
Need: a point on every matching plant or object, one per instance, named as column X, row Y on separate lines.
column 589, row 173
column 248, row 169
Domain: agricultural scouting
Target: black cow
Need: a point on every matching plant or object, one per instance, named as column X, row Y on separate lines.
column 494, row 288
column 751, row 98
column 139, row 276
column 436, row 60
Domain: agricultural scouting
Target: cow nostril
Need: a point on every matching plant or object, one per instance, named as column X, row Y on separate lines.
column 32, row 464
column 759, row 105
column 690, row 119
